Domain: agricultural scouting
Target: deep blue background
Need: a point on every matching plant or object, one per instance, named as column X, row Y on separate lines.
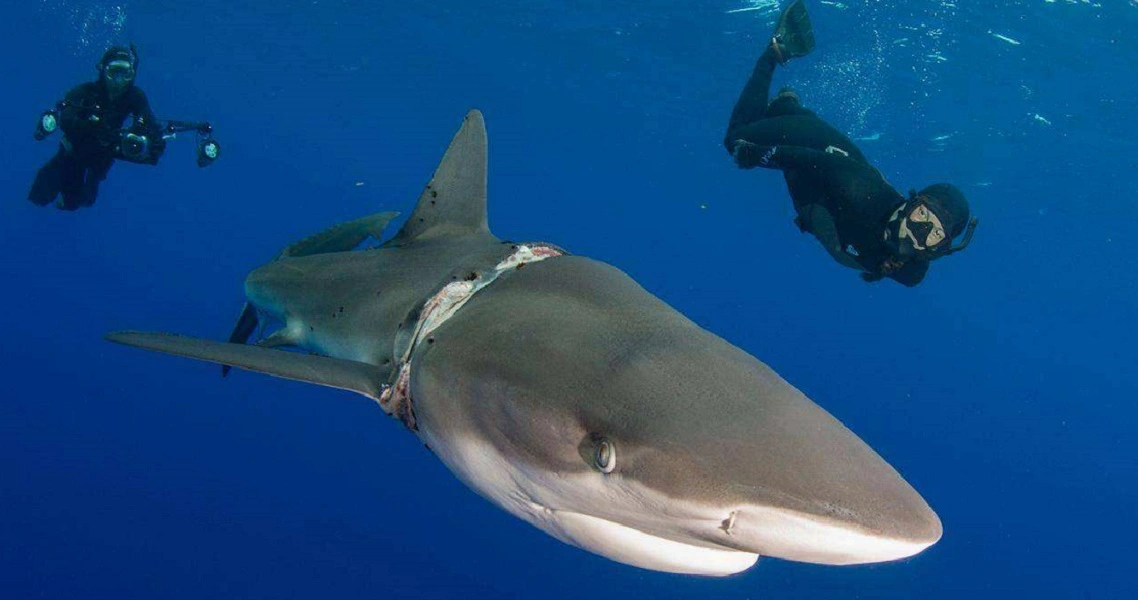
column 1003, row 388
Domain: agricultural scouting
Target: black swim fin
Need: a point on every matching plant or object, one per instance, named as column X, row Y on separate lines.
column 794, row 34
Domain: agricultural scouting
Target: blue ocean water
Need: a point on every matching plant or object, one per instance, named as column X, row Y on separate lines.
column 1002, row 388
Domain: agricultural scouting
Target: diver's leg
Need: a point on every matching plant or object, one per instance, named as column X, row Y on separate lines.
column 752, row 103
column 48, row 181
column 793, row 37
column 96, row 173
column 72, row 171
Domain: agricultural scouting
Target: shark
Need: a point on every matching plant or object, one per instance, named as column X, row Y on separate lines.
column 563, row 392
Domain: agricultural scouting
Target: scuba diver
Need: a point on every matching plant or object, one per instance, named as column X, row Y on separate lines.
column 92, row 117
column 838, row 195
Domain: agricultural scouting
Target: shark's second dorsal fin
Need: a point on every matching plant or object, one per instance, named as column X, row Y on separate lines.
column 341, row 237
column 454, row 203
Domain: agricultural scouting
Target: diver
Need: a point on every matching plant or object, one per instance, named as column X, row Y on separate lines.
column 838, row 195
column 91, row 117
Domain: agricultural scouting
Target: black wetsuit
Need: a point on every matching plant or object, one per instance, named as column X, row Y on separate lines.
column 89, row 147
column 840, row 198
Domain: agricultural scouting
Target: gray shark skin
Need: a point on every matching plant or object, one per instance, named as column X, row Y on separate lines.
column 338, row 238
column 563, row 392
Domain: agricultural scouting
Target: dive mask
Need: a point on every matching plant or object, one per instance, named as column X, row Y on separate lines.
column 926, row 229
column 120, row 72
column 926, row 232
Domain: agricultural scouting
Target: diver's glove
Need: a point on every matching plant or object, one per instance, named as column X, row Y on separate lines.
column 889, row 267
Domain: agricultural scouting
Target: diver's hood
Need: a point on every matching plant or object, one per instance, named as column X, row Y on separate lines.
column 948, row 203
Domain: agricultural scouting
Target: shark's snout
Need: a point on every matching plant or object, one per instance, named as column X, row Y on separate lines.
column 841, row 540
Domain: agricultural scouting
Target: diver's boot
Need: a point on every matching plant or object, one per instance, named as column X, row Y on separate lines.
column 794, row 35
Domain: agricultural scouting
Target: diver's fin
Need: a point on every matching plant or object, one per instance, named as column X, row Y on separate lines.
column 794, row 34
column 454, row 203
column 341, row 237
column 244, row 328
column 338, row 373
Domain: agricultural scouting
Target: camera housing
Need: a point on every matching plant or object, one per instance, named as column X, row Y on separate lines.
column 139, row 148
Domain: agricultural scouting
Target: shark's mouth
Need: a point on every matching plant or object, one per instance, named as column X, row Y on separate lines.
column 395, row 400
column 632, row 546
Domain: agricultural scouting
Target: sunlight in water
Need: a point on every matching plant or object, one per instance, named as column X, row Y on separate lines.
column 756, row 5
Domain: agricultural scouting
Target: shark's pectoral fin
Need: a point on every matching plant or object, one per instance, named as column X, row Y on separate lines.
column 338, row 373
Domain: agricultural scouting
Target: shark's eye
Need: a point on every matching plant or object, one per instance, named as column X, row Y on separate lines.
column 605, row 456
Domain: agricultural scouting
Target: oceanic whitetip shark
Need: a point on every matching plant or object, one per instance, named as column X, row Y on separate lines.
column 563, row 392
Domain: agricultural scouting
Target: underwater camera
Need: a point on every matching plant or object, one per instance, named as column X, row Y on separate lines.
column 138, row 143
column 137, row 148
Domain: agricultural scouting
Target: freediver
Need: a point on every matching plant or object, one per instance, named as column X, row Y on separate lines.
column 838, row 195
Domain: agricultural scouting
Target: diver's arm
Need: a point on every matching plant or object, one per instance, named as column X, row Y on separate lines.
column 140, row 108
column 820, row 222
column 75, row 118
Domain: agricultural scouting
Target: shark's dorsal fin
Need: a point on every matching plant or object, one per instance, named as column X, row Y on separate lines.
column 343, row 374
column 454, row 202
